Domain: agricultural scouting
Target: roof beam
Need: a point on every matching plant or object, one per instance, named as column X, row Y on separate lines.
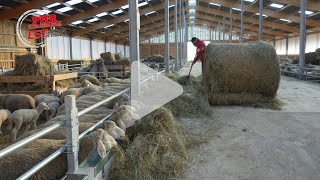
column 125, row 28
column 249, row 19
column 275, row 14
column 311, row 5
column 93, row 12
column 117, row 19
column 246, row 26
column 35, row 4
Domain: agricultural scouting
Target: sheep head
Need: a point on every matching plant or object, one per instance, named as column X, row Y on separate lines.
column 43, row 106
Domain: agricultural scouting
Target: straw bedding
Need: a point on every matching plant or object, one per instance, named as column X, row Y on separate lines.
column 157, row 149
column 239, row 74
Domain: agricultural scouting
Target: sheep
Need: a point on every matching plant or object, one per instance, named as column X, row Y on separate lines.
column 47, row 98
column 85, row 83
column 114, row 130
column 53, row 108
column 126, row 107
column 90, row 78
column 4, row 115
column 72, row 91
column 29, row 116
column 14, row 102
column 104, row 142
column 91, row 88
column 125, row 119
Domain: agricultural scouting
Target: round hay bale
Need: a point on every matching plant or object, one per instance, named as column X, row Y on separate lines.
column 108, row 57
column 90, row 78
column 32, row 65
column 250, row 68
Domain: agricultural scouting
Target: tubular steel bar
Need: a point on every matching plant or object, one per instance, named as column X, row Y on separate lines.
column 230, row 31
column 166, row 17
column 94, row 126
column 260, row 19
column 302, row 38
column 180, row 34
column 29, row 139
column 176, row 35
column 101, row 102
column 43, row 163
column 241, row 25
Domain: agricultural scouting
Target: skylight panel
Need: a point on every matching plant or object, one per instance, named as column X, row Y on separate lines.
column 43, row 12
column 142, row 4
column 249, row 0
column 275, row 5
column 73, row 2
column 236, row 9
column 150, row 13
column 102, row 14
column 92, row 1
column 77, row 22
column 53, row 5
column 307, row 12
column 109, row 26
column 262, row 15
column 64, row 9
column 93, row 19
column 215, row 4
column 192, row 10
column 125, row 6
column 286, row 20
column 117, row 12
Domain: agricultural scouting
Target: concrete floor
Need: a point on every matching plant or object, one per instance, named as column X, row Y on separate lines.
column 252, row 143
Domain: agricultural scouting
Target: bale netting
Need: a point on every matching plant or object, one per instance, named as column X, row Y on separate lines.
column 157, row 149
column 32, row 65
column 240, row 74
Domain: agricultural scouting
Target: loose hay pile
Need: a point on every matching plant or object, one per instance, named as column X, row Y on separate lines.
column 97, row 66
column 32, row 65
column 241, row 74
column 193, row 102
column 157, row 150
column 155, row 58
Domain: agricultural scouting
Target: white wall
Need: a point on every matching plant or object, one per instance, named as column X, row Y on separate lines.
column 312, row 43
column 59, row 48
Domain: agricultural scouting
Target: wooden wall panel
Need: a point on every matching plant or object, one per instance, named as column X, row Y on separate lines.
column 146, row 50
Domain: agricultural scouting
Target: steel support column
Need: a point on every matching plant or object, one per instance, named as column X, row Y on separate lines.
column 70, row 50
column 260, row 19
column 134, row 43
column 176, row 35
column 180, row 34
column 302, row 38
column 230, row 31
column 287, row 45
column 223, row 28
column 91, row 54
column 241, row 24
column 166, row 36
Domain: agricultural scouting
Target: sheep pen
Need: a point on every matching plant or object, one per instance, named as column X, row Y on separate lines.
column 241, row 74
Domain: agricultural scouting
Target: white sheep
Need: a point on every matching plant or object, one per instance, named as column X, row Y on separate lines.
column 4, row 115
column 77, row 92
column 53, row 108
column 104, row 142
column 47, row 98
column 125, row 107
column 29, row 116
column 114, row 130
column 125, row 119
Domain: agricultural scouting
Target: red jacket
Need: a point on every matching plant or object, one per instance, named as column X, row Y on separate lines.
column 200, row 49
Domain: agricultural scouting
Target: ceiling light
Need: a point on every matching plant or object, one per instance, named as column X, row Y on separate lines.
column 93, row 19
column 64, row 9
column 171, row 6
column 53, row 5
column 192, row 10
column 236, row 9
column 73, row 2
column 77, row 22
column 307, row 12
column 214, row 4
column 191, row 17
column 275, row 5
column 126, row 20
column 249, row 0
column 102, row 14
column 117, row 12
column 109, row 26
column 142, row 4
column 43, row 12
column 149, row 13
column 125, row 6
column 286, row 20
column 262, row 15
column 92, row 1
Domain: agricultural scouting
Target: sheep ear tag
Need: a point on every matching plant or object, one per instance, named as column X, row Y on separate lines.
column 150, row 89
column 101, row 149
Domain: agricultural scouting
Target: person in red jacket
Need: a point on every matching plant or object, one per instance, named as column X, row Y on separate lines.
column 200, row 49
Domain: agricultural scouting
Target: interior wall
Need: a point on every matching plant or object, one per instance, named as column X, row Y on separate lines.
column 312, row 43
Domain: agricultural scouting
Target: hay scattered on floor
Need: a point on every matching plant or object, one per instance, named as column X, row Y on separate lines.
column 193, row 102
column 157, row 150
